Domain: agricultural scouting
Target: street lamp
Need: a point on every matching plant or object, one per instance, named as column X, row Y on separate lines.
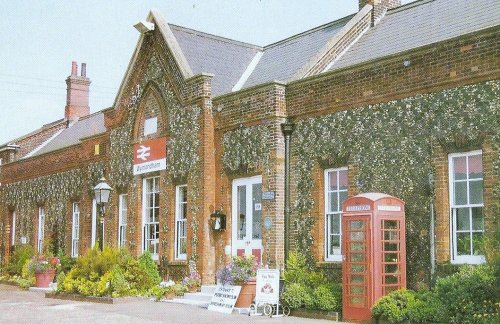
column 102, row 192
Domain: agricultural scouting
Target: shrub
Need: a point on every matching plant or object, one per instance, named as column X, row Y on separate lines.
column 19, row 257
column 296, row 295
column 394, row 306
column 427, row 308
column 326, row 297
column 146, row 261
column 469, row 294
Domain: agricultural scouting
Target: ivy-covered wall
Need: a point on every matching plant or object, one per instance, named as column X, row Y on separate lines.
column 390, row 145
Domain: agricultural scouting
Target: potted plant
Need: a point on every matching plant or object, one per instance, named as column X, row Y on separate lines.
column 240, row 271
column 44, row 269
column 193, row 281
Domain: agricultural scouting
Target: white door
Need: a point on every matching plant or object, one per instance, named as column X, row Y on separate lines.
column 246, row 217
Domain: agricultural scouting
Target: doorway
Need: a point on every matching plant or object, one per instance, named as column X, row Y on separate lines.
column 246, row 217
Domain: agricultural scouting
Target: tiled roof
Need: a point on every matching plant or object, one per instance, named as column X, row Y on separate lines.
column 419, row 24
column 226, row 59
column 283, row 59
column 85, row 127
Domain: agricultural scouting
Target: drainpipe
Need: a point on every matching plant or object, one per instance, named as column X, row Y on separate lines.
column 287, row 129
column 432, row 229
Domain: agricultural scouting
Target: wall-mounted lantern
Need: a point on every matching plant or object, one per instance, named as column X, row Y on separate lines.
column 218, row 220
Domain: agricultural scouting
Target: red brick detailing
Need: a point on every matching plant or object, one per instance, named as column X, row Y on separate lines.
column 77, row 94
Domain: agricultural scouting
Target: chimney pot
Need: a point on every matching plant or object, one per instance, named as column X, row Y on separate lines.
column 84, row 69
column 74, row 68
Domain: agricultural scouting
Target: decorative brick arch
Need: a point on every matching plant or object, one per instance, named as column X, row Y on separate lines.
column 152, row 105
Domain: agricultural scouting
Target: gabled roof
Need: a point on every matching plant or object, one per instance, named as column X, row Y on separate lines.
column 88, row 126
column 421, row 23
column 283, row 59
column 226, row 59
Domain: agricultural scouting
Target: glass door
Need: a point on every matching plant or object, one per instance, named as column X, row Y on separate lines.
column 246, row 217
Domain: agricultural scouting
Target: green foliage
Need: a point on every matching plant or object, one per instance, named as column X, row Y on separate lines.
column 67, row 262
column 470, row 294
column 394, row 306
column 298, row 271
column 296, row 295
column 61, row 276
column 427, row 308
column 328, row 297
column 21, row 254
column 24, row 283
column 112, row 272
column 146, row 261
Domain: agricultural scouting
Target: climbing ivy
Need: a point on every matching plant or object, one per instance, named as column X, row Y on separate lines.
column 246, row 147
column 391, row 144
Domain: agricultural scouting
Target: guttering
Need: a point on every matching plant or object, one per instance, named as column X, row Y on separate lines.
column 287, row 129
column 10, row 147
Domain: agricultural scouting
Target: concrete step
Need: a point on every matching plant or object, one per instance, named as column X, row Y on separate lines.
column 198, row 296
column 208, row 289
column 199, row 303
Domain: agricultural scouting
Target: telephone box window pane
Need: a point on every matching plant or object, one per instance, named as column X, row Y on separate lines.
column 478, row 243
column 357, row 224
column 391, row 235
column 463, row 221
column 461, row 193
column 390, row 289
column 477, row 218
column 463, row 243
column 357, row 257
column 357, row 279
column 390, row 224
column 360, row 268
column 357, row 290
column 390, row 257
column 459, row 168
column 357, row 236
column 391, row 268
column 391, row 279
column 475, row 167
column 357, row 246
column 391, row 246
column 476, row 192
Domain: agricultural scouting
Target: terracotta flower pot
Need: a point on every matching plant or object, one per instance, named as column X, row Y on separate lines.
column 44, row 278
column 247, row 294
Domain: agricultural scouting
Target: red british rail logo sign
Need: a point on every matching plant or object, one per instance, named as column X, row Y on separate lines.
column 150, row 155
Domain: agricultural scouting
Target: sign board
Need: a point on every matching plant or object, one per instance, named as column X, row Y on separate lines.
column 389, row 208
column 268, row 195
column 224, row 298
column 150, row 155
column 358, row 208
column 267, row 286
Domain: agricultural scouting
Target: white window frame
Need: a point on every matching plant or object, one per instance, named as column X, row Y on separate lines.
column 94, row 222
column 150, row 126
column 145, row 223
column 41, row 228
column 122, row 219
column 13, row 228
column 75, row 230
column 328, row 215
column 455, row 258
column 180, row 221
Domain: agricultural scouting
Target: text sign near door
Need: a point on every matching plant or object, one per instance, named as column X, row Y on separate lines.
column 150, row 155
column 267, row 286
column 224, row 298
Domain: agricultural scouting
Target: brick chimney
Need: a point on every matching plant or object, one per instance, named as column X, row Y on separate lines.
column 77, row 93
column 379, row 7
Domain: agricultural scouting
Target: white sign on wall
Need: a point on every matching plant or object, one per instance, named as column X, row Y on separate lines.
column 267, row 286
column 224, row 298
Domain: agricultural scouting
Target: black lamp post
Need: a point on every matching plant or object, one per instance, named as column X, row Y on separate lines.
column 102, row 192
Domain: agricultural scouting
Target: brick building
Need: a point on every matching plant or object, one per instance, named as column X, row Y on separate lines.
column 395, row 99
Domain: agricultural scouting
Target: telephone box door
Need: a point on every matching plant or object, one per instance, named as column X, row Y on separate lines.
column 356, row 266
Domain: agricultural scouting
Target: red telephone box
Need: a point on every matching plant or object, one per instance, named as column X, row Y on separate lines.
column 374, row 252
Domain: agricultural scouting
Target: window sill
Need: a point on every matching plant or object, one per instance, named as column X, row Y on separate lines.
column 178, row 262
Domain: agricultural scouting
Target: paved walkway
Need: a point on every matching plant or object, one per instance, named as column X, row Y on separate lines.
column 21, row 306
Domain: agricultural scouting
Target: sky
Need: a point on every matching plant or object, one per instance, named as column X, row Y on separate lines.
column 40, row 39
